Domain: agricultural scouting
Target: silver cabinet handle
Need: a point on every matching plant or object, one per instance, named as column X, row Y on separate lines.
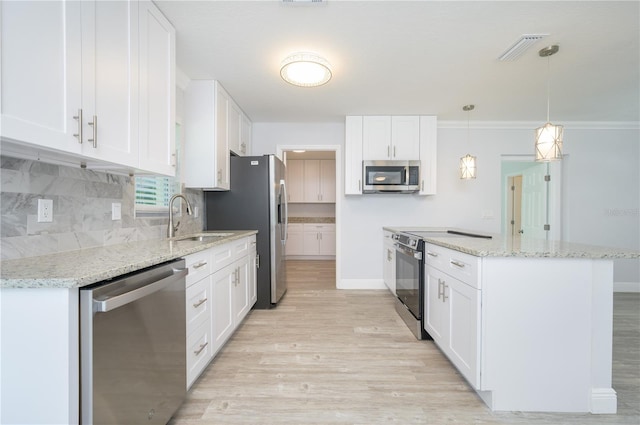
column 202, row 347
column 457, row 264
column 440, row 282
column 79, row 119
column 200, row 264
column 94, row 124
column 388, row 151
column 219, row 176
column 394, row 151
column 422, row 185
column 444, row 291
column 199, row 303
column 432, row 254
column 359, row 185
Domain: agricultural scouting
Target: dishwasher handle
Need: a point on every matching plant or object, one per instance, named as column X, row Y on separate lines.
column 110, row 303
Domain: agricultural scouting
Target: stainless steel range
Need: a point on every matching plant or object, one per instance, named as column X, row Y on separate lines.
column 410, row 262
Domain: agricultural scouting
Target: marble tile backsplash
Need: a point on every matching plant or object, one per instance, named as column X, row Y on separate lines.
column 81, row 209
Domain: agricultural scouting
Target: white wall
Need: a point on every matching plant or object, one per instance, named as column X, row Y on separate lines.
column 601, row 189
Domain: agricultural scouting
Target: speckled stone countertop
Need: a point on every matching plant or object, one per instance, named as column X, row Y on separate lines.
column 327, row 220
column 73, row 269
column 501, row 246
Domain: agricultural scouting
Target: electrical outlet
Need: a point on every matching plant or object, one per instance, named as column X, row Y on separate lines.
column 116, row 211
column 45, row 210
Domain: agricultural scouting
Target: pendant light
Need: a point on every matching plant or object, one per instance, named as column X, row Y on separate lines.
column 468, row 162
column 549, row 136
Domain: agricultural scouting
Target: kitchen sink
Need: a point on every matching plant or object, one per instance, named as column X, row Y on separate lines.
column 209, row 237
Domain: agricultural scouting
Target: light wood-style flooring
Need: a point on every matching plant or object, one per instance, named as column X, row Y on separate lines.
column 327, row 356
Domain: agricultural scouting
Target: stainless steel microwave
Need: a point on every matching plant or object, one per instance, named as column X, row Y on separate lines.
column 391, row 176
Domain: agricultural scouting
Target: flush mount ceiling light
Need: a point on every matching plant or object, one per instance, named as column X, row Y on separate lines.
column 468, row 162
column 549, row 136
column 305, row 70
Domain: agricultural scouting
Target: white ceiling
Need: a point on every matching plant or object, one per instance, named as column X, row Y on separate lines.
column 417, row 57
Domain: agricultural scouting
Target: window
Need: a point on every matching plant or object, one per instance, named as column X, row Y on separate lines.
column 153, row 193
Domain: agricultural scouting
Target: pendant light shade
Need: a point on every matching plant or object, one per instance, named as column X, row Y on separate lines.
column 468, row 162
column 548, row 144
column 305, row 70
column 468, row 167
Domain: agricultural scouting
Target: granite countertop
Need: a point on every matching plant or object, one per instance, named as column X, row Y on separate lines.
column 327, row 220
column 74, row 269
column 501, row 246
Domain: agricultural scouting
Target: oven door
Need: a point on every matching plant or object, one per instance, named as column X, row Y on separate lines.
column 409, row 269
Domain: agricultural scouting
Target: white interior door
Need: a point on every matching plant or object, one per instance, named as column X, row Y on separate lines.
column 534, row 201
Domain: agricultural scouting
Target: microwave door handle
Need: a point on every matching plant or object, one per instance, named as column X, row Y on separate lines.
column 406, row 175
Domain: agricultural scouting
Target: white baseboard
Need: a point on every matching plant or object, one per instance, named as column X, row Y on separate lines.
column 603, row 401
column 361, row 284
column 626, row 286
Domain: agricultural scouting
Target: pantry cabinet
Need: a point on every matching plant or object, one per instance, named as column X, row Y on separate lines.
column 390, row 138
column 295, row 242
column 311, row 180
column 214, row 125
column 91, row 82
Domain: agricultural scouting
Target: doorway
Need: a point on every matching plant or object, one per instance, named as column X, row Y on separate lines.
column 531, row 198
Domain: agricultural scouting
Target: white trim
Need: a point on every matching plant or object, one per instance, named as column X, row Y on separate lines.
column 362, row 284
column 531, row 125
column 603, row 401
column 626, row 286
column 339, row 193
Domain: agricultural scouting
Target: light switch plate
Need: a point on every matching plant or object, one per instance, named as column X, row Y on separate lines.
column 116, row 211
column 45, row 210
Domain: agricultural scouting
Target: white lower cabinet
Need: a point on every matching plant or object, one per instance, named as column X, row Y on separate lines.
column 452, row 319
column 221, row 289
column 389, row 262
column 311, row 240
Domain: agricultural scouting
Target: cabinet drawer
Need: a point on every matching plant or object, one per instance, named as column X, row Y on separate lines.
column 221, row 256
column 240, row 248
column 463, row 267
column 199, row 265
column 199, row 351
column 295, row 227
column 199, row 301
column 319, row 228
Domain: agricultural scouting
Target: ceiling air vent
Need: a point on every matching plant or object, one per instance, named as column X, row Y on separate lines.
column 521, row 45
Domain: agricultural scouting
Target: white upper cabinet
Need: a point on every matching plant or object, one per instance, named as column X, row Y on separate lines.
column 41, row 80
column 71, row 83
column 214, row 125
column 353, row 155
column 157, row 91
column 390, row 138
column 311, row 180
column 295, row 180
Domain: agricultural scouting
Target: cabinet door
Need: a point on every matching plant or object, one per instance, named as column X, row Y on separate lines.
column 428, row 153
column 233, row 127
column 245, row 136
column 222, row 319
column 295, row 180
column 389, row 266
column 327, row 242
column 353, row 156
column 157, row 91
column 199, row 351
column 312, row 181
column 464, row 329
column 376, row 138
column 221, row 141
column 405, row 138
column 241, row 290
column 327, row 180
column 253, row 273
column 295, row 243
column 41, row 73
column 110, row 81
column 435, row 321
column 310, row 242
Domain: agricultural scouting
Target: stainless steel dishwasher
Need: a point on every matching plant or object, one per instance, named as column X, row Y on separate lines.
column 133, row 347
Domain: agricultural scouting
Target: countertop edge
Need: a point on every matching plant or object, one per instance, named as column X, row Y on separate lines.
column 171, row 250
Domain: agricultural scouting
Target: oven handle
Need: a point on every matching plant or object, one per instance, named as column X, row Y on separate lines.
column 408, row 251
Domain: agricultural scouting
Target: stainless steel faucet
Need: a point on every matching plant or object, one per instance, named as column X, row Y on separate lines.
column 171, row 230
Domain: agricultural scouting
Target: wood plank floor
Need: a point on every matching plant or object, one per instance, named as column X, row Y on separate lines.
column 327, row 356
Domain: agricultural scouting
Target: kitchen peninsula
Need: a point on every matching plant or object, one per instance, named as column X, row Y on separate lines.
column 527, row 322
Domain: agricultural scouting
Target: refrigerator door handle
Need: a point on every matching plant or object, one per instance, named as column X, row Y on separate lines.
column 285, row 211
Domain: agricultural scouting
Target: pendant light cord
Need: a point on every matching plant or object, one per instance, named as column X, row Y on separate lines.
column 548, row 84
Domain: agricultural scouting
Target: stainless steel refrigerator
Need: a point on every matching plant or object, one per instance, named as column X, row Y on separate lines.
column 257, row 200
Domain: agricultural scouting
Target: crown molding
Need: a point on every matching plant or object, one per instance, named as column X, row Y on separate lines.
column 531, row 125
